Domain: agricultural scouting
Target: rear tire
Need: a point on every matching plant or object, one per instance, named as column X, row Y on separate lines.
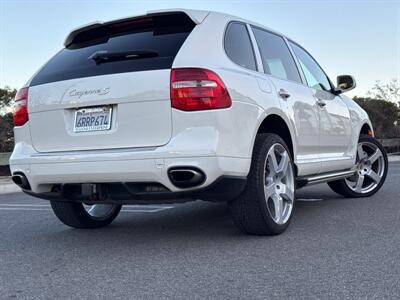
column 370, row 175
column 266, row 205
column 76, row 215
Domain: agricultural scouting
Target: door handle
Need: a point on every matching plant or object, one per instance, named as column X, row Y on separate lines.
column 283, row 94
column 321, row 103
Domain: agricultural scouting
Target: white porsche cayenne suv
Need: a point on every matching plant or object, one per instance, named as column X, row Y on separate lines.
column 180, row 105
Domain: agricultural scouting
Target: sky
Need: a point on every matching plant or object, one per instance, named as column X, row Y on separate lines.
column 360, row 38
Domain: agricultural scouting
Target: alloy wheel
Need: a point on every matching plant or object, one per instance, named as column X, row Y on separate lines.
column 279, row 184
column 99, row 211
column 370, row 168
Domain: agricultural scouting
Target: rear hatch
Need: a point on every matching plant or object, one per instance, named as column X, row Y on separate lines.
column 109, row 88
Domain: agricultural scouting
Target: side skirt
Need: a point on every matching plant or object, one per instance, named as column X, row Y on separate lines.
column 325, row 177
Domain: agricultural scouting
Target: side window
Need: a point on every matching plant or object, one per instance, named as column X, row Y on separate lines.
column 276, row 57
column 238, row 46
column 315, row 76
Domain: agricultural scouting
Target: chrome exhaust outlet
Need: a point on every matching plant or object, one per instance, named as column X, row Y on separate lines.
column 185, row 177
column 21, row 181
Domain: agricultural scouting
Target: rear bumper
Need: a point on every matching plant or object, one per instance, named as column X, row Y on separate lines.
column 224, row 188
column 44, row 172
column 208, row 144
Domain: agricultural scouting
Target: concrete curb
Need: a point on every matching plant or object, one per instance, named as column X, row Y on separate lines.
column 7, row 186
column 4, row 158
column 394, row 158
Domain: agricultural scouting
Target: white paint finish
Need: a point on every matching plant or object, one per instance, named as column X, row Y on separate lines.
column 141, row 111
column 335, row 132
column 130, row 87
column 45, row 171
column 264, row 84
column 148, row 136
column 303, row 115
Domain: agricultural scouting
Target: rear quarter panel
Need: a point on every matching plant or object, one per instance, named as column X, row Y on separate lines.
column 253, row 96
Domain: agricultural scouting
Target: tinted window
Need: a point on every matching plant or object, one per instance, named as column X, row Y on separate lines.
column 315, row 76
column 276, row 57
column 238, row 46
column 163, row 35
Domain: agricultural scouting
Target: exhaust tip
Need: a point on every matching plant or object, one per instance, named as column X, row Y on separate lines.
column 186, row 177
column 21, row 181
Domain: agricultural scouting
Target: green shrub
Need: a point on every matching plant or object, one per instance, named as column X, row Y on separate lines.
column 384, row 115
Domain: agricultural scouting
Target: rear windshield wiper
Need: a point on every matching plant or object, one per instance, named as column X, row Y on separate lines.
column 104, row 56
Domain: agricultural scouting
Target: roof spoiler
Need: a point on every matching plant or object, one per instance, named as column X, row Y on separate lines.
column 197, row 17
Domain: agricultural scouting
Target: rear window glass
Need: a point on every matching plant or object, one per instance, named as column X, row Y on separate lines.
column 161, row 36
column 238, row 46
column 276, row 57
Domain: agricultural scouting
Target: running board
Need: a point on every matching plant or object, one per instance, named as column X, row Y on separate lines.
column 314, row 179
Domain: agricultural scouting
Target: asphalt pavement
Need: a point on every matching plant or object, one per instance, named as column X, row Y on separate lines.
column 334, row 248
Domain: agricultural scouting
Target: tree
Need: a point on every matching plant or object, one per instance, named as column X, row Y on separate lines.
column 6, row 133
column 385, row 116
column 6, row 119
column 6, row 97
column 389, row 91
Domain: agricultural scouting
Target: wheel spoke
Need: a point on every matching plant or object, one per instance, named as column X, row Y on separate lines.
column 288, row 193
column 269, row 190
column 278, row 206
column 373, row 158
column 284, row 163
column 359, row 184
column 100, row 210
column 374, row 176
column 360, row 152
column 273, row 162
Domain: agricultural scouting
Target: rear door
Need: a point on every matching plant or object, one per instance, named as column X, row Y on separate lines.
column 295, row 98
column 109, row 88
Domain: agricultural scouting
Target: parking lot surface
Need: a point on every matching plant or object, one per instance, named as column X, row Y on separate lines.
column 334, row 248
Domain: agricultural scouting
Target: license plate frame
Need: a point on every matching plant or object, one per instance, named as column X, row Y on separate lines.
column 91, row 119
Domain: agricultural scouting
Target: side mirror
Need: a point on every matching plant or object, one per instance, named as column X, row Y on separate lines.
column 345, row 83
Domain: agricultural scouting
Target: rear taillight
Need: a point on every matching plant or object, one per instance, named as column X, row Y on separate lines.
column 198, row 89
column 20, row 114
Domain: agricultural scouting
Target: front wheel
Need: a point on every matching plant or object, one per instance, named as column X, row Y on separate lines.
column 79, row 215
column 370, row 171
column 266, row 205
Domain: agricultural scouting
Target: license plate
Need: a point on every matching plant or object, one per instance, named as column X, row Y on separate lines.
column 93, row 119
